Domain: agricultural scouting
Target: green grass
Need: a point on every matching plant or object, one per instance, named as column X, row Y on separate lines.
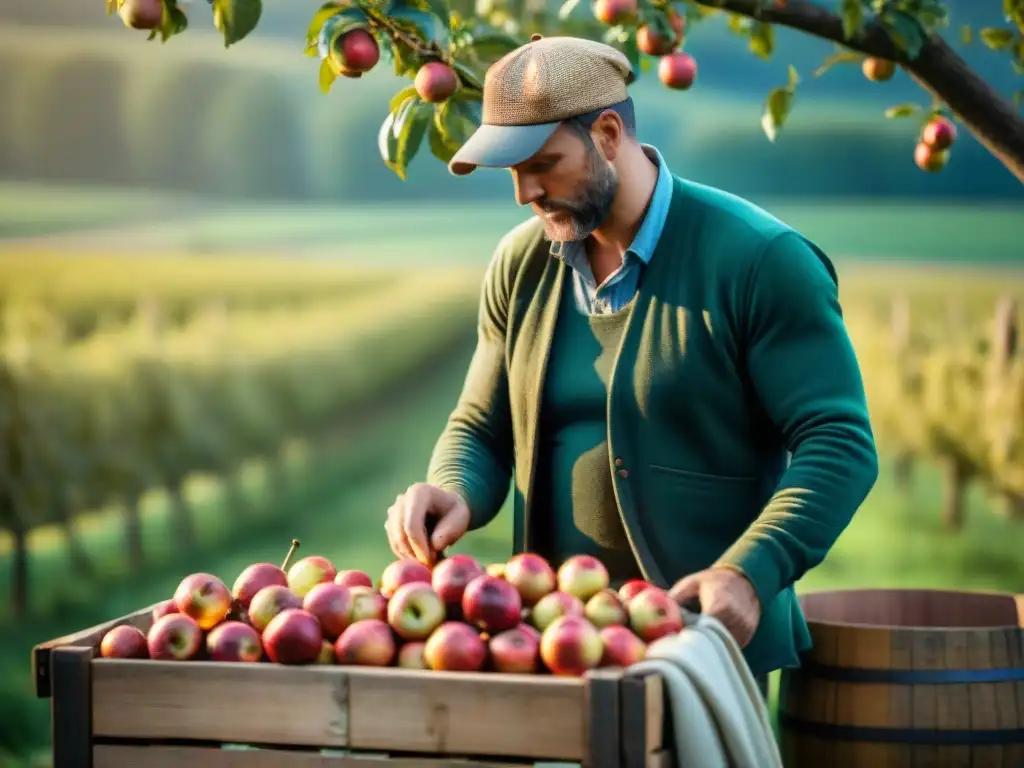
column 465, row 233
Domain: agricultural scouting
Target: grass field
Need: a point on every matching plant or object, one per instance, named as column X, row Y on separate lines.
column 465, row 233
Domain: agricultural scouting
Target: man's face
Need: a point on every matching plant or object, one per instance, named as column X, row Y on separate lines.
column 568, row 183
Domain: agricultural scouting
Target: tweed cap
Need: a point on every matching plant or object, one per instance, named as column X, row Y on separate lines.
column 531, row 90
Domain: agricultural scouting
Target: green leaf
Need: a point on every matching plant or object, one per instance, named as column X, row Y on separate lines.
column 415, row 122
column 468, row 74
column 174, row 22
column 762, row 39
column 327, row 75
column 902, row 110
column 336, row 25
column 235, row 19
column 387, row 141
column 840, row 57
column 440, row 146
column 492, row 45
column 424, row 24
column 455, row 121
column 794, row 79
column 852, row 14
column 567, row 8
column 326, row 11
column 905, row 32
column 113, row 6
column 776, row 110
column 401, row 97
column 966, row 34
column 996, row 38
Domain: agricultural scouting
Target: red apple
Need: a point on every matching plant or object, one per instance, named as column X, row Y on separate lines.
column 164, row 608
column 308, row 572
column 326, row 653
column 415, row 610
column 367, row 643
column 410, row 656
column 455, row 647
column 531, row 630
column 582, row 576
column 621, row 647
column 332, row 605
column 613, row 12
column 435, row 82
column 175, row 637
column 203, row 597
column 254, row 578
column 515, row 651
column 141, row 14
column 355, row 52
column 605, row 609
column 354, row 579
column 451, row 576
column 124, row 642
column 653, row 614
column 491, row 604
column 631, row 589
column 553, row 606
column 939, row 133
column 571, row 646
column 234, row 641
column 653, row 43
column 293, row 637
column 269, row 602
column 532, row 575
column 677, row 70
column 878, row 70
column 402, row 572
column 368, row 603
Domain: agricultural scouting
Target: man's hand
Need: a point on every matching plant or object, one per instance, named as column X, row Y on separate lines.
column 407, row 522
column 725, row 594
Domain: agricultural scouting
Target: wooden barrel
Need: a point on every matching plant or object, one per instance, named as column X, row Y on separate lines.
column 907, row 678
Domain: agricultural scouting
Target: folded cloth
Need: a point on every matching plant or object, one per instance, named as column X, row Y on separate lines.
column 718, row 715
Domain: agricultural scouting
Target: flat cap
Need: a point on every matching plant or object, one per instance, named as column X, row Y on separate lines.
column 532, row 89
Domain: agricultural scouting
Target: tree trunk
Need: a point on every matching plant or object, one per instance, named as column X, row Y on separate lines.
column 954, row 490
column 19, row 574
column 134, row 549
column 938, row 69
column 181, row 516
column 77, row 554
column 1009, row 505
column 903, row 471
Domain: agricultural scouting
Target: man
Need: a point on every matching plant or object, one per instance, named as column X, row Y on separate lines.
column 649, row 352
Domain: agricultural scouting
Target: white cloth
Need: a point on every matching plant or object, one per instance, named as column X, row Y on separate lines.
column 719, row 717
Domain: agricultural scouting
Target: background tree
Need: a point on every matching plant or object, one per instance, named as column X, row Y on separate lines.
column 445, row 46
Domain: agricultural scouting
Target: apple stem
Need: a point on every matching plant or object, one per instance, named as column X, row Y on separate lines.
column 290, row 555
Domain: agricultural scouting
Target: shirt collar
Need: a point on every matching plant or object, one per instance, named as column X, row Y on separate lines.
column 646, row 239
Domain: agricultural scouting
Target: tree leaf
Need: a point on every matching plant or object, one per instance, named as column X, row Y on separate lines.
column 327, row 75
column 567, row 8
column 762, row 39
column 794, row 79
column 905, row 32
column 852, row 14
column 902, row 110
column 440, row 146
column 492, row 45
column 174, row 22
column 966, row 34
column 996, row 38
column 236, row 19
column 417, row 119
column 776, row 110
column 840, row 57
column 468, row 74
column 387, row 142
column 326, row 11
column 337, row 25
column 401, row 97
column 113, row 6
column 424, row 24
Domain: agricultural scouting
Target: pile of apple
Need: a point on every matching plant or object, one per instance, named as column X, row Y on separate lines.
column 516, row 617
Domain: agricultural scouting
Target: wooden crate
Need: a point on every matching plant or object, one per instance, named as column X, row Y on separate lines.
column 109, row 713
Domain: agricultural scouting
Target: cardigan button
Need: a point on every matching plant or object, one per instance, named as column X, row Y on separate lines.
column 623, row 473
column 618, row 461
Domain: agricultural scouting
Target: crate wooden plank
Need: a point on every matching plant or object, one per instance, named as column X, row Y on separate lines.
column 90, row 637
column 522, row 716
column 602, row 719
column 71, row 727
column 220, row 701
column 642, row 719
column 162, row 756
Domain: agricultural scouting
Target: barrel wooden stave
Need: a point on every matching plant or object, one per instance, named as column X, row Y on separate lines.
column 917, row 630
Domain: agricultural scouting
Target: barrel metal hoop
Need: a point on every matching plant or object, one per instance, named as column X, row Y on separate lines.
column 833, row 732
column 911, row 676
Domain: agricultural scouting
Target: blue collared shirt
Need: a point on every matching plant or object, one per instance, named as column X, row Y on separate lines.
column 620, row 286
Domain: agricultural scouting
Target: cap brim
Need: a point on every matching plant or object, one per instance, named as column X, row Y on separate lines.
column 500, row 146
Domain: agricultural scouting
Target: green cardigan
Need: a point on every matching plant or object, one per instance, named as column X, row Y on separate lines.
column 735, row 353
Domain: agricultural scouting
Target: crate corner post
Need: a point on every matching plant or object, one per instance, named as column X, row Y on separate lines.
column 70, row 688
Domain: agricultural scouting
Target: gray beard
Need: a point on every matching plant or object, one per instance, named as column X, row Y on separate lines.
column 590, row 208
